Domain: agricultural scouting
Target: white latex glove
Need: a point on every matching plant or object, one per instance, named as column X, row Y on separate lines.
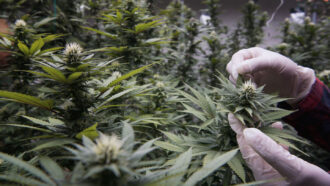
column 278, row 73
column 269, row 160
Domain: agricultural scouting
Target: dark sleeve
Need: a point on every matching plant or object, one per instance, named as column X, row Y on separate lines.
column 312, row 120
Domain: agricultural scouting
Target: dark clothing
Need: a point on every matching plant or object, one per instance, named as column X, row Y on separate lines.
column 312, row 120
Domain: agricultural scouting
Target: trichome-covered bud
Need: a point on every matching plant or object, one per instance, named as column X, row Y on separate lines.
column 73, row 49
column 283, row 46
column 160, row 84
column 307, row 19
column 156, row 76
column 213, row 34
column 248, row 89
column 107, row 147
column 104, row 150
column 20, row 23
column 116, row 74
column 73, row 52
column 251, row 2
column 115, row 64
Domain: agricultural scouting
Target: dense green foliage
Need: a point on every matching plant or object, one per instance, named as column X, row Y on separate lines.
column 119, row 93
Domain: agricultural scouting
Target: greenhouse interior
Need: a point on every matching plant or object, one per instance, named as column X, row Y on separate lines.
column 165, row 92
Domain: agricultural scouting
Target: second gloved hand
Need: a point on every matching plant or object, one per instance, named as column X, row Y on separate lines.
column 269, row 160
column 278, row 73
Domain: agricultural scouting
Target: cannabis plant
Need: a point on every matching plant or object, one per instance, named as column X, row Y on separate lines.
column 108, row 160
column 113, row 161
column 213, row 7
column 325, row 77
column 27, row 173
column 72, row 96
column 129, row 33
column 209, row 134
column 217, row 57
column 306, row 44
column 249, row 31
column 249, row 104
column 319, row 8
column 25, row 46
column 253, row 24
column 215, row 49
column 234, row 43
column 183, row 29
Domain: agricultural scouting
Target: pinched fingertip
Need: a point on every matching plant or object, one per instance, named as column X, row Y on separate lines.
column 229, row 67
column 277, row 125
column 235, row 124
column 273, row 153
column 232, row 80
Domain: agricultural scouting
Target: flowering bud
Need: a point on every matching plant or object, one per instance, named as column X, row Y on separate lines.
column 283, row 46
column 160, row 84
column 311, row 24
column 107, row 147
column 324, row 73
column 156, row 76
column 213, row 34
column 115, row 64
column 116, row 74
column 249, row 89
column 72, row 51
column 181, row 46
column 20, row 23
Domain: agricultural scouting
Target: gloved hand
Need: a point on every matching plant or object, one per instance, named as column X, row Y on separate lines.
column 278, row 73
column 269, row 160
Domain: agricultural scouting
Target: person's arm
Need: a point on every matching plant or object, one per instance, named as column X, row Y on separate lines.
column 287, row 79
column 269, row 160
column 312, row 120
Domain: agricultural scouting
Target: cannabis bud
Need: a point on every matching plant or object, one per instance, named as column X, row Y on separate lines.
column 20, row 23
column 104, row 150
column 72, row 52
column 213, row 34
column 324, row 73
column 160, row 84
column 107, row 147
column 283, row 46
column 72, row 49
column 248, row 89
column 116, row 74
column 249, row 104
column 251, row 2
column 181, row 47
column 156, row 76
